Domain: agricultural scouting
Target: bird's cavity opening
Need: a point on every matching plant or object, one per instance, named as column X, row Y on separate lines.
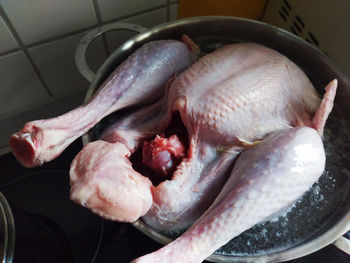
column 158, row 157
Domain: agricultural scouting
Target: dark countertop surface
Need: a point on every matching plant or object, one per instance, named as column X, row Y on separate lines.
column 51, row 228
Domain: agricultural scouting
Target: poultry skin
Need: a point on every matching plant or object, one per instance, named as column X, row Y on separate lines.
column 252, row 121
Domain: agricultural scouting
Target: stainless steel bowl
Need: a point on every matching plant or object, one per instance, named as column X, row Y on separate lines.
column 7, row 231
column 311, row 228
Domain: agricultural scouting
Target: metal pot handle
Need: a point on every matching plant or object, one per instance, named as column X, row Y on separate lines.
column 80, row 52
column 343, row 243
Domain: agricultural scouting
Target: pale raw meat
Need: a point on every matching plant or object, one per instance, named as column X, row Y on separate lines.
column 228, row 101
column 243, row 102
column 265, row 179
column 269, row 95
column 111, row 187
column 144, row 73
column 100, row 190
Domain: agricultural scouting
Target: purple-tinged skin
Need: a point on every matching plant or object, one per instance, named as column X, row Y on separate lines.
column 228, row 101
column 236, row 96
column 133, row 129
column 266, row 179
column 141, row 78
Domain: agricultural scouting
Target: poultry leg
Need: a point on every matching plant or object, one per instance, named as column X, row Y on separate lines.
column 141, row 78
column 265, row 179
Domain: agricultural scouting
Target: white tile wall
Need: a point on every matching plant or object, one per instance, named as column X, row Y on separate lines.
column 173, row 12
column 37, row 20
column 111, row 9
column 55, row 61
column 148, row 20
column 21, row 88
column 7, row 41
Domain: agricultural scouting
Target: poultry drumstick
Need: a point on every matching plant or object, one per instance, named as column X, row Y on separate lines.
column 143, row 74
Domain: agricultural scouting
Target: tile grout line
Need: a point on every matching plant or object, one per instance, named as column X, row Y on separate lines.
column 134, row 14
column 60, row 37
column 25, row 51
column 168, row 4
column 8, row 52
column 39, row 104
column 72, row 33
column 99, row 21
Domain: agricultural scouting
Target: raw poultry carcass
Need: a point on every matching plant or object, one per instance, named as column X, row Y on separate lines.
column 227, row 147
column 228, row 101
